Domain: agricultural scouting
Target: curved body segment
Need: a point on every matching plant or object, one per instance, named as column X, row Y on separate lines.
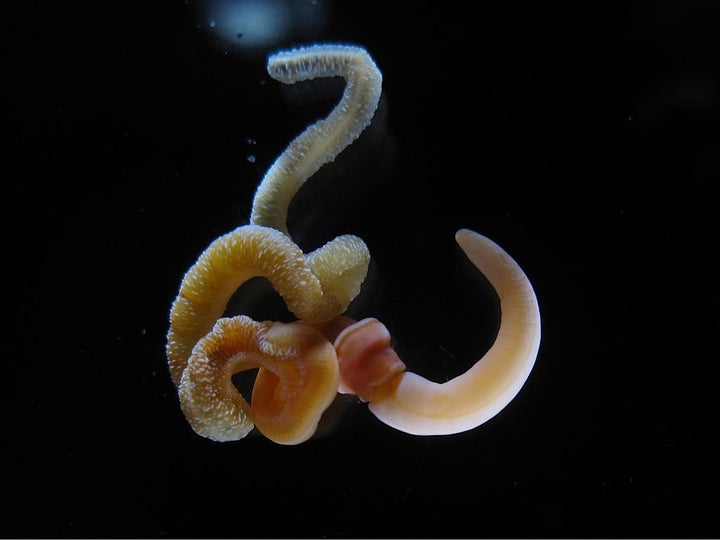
column 416, row 405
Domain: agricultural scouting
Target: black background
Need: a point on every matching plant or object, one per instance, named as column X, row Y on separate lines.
column 582, row 138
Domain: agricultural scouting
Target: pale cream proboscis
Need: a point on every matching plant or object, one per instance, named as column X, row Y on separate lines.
column 316, row 287
column 322, row 141
column 416, row 405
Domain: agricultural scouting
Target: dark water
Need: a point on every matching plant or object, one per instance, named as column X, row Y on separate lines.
column 583, row 140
